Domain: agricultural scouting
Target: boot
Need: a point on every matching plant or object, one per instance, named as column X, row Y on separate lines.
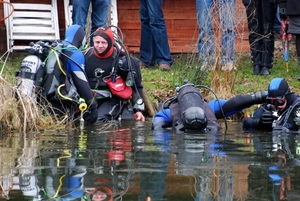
column 256, row 70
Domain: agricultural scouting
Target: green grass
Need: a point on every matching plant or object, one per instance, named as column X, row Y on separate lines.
column 160, row 84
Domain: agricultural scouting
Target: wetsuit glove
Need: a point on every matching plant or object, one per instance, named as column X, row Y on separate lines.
column 91, row 115
column 266, row 118
column 264, row 122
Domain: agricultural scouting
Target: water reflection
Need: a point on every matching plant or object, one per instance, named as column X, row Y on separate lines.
column 131, row 162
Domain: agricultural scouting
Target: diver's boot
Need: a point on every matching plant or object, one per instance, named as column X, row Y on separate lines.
column 259, row 97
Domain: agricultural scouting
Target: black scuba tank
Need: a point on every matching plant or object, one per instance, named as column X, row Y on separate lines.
column 191, row 107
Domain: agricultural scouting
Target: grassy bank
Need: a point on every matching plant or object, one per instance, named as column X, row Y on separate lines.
column 160, row 84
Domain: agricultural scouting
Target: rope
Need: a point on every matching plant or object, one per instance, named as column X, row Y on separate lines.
column 12, row 10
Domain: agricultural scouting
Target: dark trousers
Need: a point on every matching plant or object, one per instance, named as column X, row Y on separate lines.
column 261, row 17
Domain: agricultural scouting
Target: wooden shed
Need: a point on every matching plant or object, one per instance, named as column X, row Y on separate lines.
column 180, row 17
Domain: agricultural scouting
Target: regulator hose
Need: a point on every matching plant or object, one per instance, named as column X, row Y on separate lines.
column 82, row 106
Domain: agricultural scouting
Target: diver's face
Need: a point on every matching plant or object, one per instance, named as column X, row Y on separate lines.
column 278, row 103
column 99, row 196
column 100, row 44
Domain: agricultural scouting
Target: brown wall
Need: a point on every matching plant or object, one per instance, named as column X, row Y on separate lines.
column 182, row 27
column 180, row 17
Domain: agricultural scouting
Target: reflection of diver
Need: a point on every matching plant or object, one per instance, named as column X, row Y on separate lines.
column 202, row 158
column 272, row 179
column 153, row 157
column 99, row 187
column 103, row 180
column 59, row 179
column 56, row 183
column 64, row 179
column 30, row 180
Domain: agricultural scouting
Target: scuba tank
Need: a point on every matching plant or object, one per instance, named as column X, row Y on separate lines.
column 191, row 109
column 26, row 76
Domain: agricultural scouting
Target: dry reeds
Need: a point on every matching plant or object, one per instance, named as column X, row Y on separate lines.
column 22, row 113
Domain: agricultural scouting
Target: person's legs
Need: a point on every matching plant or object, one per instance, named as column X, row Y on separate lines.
column 147, row 44
column 253, row 10
column 99, row 14
column 109, row 110
column 298, row 47
column 294, row 29
column 298, row 50
column 159, row 32
column 80, row 12
column 226, row 16
column 206, row 42
column 269, row 11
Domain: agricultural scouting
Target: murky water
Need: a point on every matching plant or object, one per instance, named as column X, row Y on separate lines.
column 131, row 162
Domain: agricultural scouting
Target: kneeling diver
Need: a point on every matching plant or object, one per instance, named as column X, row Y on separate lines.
column 188, row 110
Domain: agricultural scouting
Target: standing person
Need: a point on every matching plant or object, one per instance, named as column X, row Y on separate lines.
column 206, row 43
column 99, row 13
column 261, row 17
column 291, row 9
column 107, row 69
column 154, row 45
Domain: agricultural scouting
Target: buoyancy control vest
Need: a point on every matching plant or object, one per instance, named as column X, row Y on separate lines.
column 48, row 78
column 54, row 72
column 190, row 111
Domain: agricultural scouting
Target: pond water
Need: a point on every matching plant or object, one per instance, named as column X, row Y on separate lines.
column 131, row 162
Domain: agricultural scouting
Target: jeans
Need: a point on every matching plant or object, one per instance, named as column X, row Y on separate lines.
column 99, row 13
column 206, row 43
column 154, row 44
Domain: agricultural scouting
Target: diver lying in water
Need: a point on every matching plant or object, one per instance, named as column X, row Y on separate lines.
column 188, row 110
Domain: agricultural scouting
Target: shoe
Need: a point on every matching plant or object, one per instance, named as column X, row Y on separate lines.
column 256, row 70
column 229, row 66
column 164, row 67
column 264, row 71
column 142, row 65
